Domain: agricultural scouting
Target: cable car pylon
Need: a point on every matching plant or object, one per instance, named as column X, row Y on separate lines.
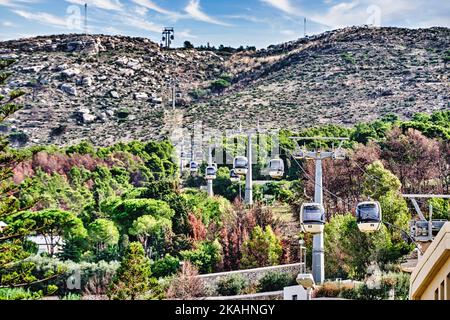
column 209, row 172
column 318, row 257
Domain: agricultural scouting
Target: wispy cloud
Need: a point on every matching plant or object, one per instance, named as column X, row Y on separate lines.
column 140, row 23
column 186, row 34
column 195, row 12
column 115, row 5
column 7, row 24
column 283, row 5
column 153, row 6
column 42, row 17
column 16, row 3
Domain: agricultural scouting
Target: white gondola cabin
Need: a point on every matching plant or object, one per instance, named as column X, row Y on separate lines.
column 193, row 167
column 368, row 216
column 312, row 218
column 210, row 173
column 276, row 168
column 234, row 177
column 240, row 165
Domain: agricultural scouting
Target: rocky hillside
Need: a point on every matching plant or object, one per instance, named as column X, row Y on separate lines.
column 99, row 87
column 343, row 76
column 108, row 88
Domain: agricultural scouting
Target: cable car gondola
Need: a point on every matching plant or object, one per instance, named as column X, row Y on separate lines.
column 312, row 218
column 276, row 168
column 234, row 177
column 368, row 216
column 193, row 166
column 240, row 165
column 210, row 173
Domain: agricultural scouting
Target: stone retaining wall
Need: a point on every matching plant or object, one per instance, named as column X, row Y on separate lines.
column 251, row 275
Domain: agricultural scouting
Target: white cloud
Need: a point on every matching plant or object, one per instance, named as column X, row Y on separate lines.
column 42, row 17
column 153, row 6
column 139, row 23
column 195, row 12
column 141, row 11
column 114, row 5
column 249, row 18
column 283, row 5
column 186, row 34
column 289, row 33
column 16, row 3
column 7, row 24
column 338, row 14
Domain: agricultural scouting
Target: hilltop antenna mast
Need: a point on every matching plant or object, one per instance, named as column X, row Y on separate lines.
column 304, row 28
column 85, row 18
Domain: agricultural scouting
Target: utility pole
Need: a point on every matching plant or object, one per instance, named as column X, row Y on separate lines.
column 210, row 182
column 249, row 176
column 318, row 259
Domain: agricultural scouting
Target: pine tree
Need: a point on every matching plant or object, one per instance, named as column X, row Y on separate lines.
column 262, row 249
column 132, row 280
column 14, row 270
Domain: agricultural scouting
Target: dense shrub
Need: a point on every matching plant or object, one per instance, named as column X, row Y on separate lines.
column 275, row 281
column 18, row 294
column 165, row 267
column 231, row 285
column 93, row 278
column 388, row 286
column 262, row 249
column 186, row 285
column 220, row 84
column 205, row 256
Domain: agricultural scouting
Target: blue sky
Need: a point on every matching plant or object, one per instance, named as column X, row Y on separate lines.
column 229, row 22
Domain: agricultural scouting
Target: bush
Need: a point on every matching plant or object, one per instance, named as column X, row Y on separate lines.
column 231, row 285
column 123, row 114
column 71, row 296
column 275, row 281
column 94, row 278
column 390, row 283
column 165, row 267
column 205, row 257
column 187, row 285
column 18, row 294
column 220, row 84
column 198, row 93
column 335, row 289
column 227, row 77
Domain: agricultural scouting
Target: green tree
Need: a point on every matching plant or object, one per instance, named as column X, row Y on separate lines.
column 205, row 257
column 383, row 186
column 14, row 270
column 262, row 249
column 132, row 280
column 54, row 225
column 152, row 233
column 103, row 234
column 188, row 45
column 165, row 267
column 126, row 212
column 349, row 252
